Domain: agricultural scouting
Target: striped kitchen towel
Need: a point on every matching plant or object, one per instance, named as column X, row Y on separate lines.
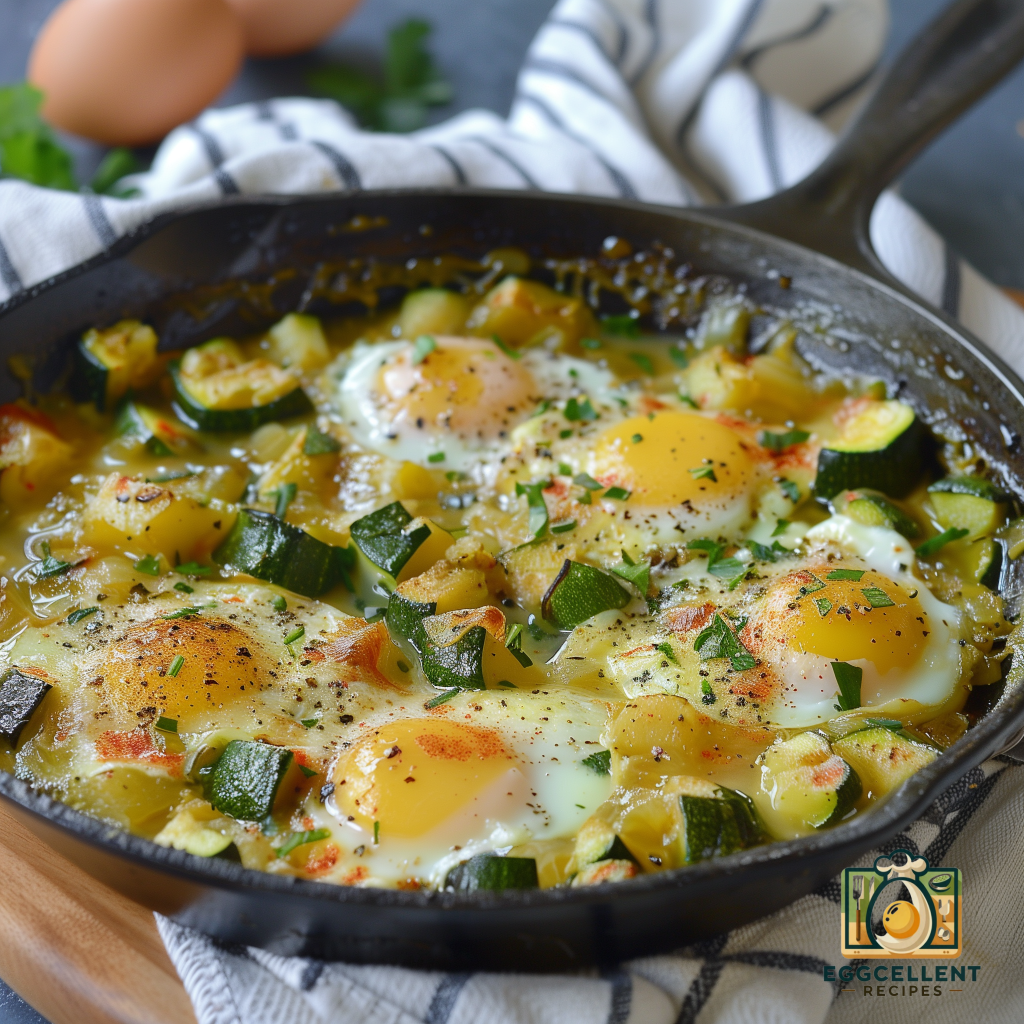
column 673, row 102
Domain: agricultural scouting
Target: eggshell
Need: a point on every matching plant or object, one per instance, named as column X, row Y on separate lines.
column 277, row 27
column 125, row 72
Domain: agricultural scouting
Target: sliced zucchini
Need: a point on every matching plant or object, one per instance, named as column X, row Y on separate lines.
column 109, row 363
column 871, row 508
column 882, row 758
column 433, row 311
column 244, row 780
column 460, row 664
column 270, row 549
column 968, row 503
column 606, row 871
column 456, row 665
column 578, row 593
column 716, row 822
column 20, row 697
column 158, row 435
column 298, row 340
column 597, row 841
column 880, row 447
column 489, row 871
column 382, row 538
column 807, row 783
column 404, row 619
column 216, row 390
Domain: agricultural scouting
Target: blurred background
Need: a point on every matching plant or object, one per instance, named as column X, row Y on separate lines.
column 969, row 184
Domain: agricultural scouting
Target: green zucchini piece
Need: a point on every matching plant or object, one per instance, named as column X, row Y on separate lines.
column 807, row 783
column 489, row 871
column 880, row 448
column 871, row 508
column 199, row 417
column 715, row 826
column 968, row 503
column 882, row 758
column 244, row 780
column 597, row 841
column 108, row 363
column 433, row 311
column 987, row 557
column 579, row 592
column 20, row 697
column 381, row 537
column 157, row 435
column 404, row 619
column 459, row 664
column 270, row 549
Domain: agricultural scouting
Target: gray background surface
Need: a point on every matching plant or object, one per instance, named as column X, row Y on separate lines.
column 969, row 184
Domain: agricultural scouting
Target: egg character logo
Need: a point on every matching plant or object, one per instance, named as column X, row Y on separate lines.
column 900, row 907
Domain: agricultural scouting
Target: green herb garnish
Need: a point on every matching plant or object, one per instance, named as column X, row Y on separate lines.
column 643, row 361
column 148, row 564
column 411, row 83
column 849, row 679
column 877, row 598
column 297, row 839
column 929, row 547
column 704, row 472
column 167, row 724
column 600, row 762
column 780, row 442
column 575, row 410
column 534, row 492
column 193, row 569
column 617, row 494
column 318, row 443
column 285, row 496
column 623, row 326
column 422, row 348
column 79, row 614
column 50, row 566
column 846, row 574
column 441, row 698
column 176, row 665
column 718, row 640
column 638, row 573
column 296, row 634
column 510, row 352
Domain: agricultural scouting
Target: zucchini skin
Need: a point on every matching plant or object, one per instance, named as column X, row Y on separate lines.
column 244, row 780
column 459, row 665
column 88, row 380
column 270, row 549
column 20, row 697
column 223, row 421
column 578, row 593
column 718, row 826
column 894, row 470
column 381, row 538
column 489, row 871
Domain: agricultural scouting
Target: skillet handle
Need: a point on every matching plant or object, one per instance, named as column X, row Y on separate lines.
column 937, row 76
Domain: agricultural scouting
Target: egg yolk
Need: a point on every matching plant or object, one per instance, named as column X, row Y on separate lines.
column 413, row 775
column 901, row 919
column 465, row 386
column 845, row 614
column 673, row 457
column 221, row 665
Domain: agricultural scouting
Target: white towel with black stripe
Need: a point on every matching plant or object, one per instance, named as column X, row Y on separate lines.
column 668, row 101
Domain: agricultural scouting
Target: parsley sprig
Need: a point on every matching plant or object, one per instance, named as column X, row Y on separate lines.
column 411, row 83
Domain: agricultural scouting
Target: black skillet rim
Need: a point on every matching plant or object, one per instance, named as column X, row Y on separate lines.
column 863, row 832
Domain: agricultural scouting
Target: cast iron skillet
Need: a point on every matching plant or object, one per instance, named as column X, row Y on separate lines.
column 874, row 325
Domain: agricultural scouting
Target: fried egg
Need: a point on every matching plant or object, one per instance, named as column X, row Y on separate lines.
column 409, row 790
column 848, row 597
column 453, row 402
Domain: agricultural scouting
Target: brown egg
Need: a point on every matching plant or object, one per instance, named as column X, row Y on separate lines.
column 277, row 27
column 125, row 72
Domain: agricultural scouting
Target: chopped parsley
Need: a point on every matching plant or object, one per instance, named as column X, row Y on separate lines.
column 637, row 573
column 849, row 679
column 79, row 614
column 422, row 347
column 176, row 665
column 575, row 411
column 510, row 352
column 599, row 762
column 780, row 442
column 297, row 839
column 643, row 361
column 534, row 492
column 877, row 598
column 719, row 641
column 706, row 472
column 149, row 564
column 846, row 574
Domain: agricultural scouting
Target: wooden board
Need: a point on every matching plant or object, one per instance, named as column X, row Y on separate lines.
column 77, row 951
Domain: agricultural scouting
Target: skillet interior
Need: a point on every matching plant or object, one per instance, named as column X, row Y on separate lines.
column 954, row 385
